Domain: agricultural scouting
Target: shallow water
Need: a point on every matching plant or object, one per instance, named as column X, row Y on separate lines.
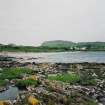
column 62, row 57
column 10, row 94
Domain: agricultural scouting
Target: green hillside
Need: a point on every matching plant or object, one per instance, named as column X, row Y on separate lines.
column 92, row 45
column 58, row 44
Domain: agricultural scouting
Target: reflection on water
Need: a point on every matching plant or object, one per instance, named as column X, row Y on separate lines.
column 9, row 94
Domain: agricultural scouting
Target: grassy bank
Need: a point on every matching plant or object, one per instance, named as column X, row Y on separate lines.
column 9, row 48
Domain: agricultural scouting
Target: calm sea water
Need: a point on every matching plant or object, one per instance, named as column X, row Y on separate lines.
column 62, row 57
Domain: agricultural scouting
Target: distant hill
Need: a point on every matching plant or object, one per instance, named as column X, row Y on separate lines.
column 58, row 44
column 91, row 43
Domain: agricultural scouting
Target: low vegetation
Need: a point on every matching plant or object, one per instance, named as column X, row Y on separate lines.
column 2, row 82
column 83, row 79
column 28, row 82
column 69, row 78
column 80, row 99
column 14, row 73
column 14, row 48
column 87, row 78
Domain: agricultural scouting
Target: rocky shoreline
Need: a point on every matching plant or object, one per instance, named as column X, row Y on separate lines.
column 89, row 90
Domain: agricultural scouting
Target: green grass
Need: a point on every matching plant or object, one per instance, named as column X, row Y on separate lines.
column 2, row 83
column 68, row 78
column 17, row 73
column 28, row 82
column 14, row 73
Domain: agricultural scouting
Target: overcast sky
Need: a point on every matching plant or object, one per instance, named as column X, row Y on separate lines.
column 30, row 22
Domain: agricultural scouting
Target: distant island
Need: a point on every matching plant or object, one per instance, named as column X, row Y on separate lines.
column 55, row 46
